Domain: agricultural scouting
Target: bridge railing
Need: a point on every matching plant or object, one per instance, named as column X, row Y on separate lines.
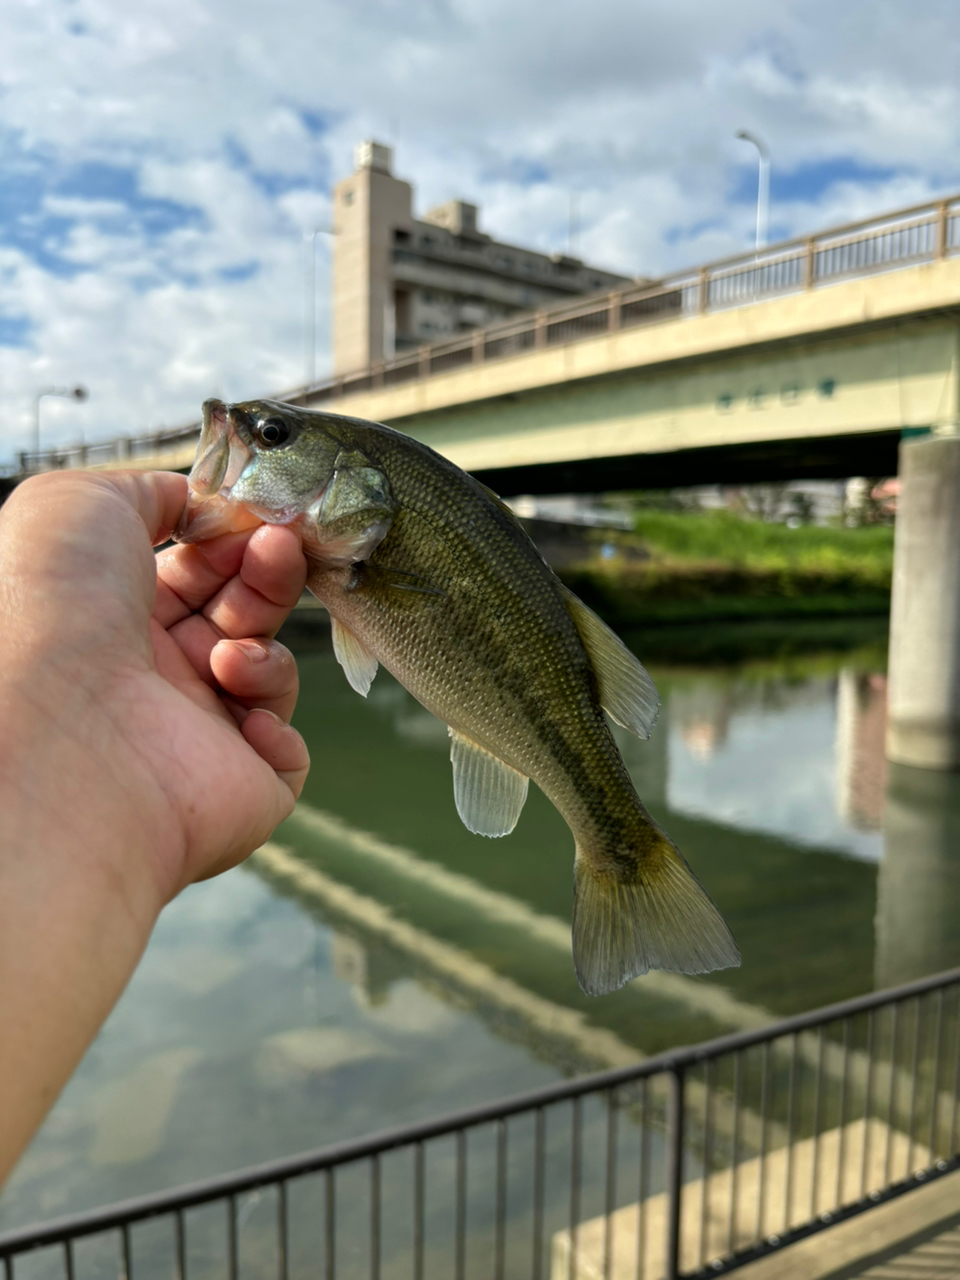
column 687, row 1165
column 921, row 233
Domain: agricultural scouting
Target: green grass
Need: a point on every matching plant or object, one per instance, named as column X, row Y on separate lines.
column 679, row 568
column 720, row 537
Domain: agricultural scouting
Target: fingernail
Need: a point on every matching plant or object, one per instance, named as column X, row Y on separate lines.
column 254, row 650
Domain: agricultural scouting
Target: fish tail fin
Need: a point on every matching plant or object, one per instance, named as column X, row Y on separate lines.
column 645, row 912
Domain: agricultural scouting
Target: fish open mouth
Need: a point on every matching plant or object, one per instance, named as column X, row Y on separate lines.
column 222, row 457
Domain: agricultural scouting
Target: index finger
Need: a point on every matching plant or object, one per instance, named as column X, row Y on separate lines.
column 244, row 584
column 189, row 576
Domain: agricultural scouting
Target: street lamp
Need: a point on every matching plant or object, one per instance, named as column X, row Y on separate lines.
column 310, row 302
column 79, row 393
column 763, row 186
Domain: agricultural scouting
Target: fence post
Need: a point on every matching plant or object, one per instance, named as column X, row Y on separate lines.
column 675, row 1109
column 808, row 264
column 703, row 290
column 479, row 345
column 942, row 223
column 540, row 329
column 377, row 377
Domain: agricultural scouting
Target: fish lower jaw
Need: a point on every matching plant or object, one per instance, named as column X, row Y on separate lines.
column 209, row 517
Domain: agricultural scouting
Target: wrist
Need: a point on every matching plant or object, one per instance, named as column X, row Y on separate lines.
column 67, row 814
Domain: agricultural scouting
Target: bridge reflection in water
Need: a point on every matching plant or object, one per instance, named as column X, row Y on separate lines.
column 767, row 773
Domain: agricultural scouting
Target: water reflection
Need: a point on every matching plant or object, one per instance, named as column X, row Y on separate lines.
column 861, row 762
column 918, row 888
column 383, row 964
column 767, row 755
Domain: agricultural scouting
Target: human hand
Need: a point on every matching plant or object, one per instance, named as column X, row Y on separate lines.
column 143, row 745
column 144, row 663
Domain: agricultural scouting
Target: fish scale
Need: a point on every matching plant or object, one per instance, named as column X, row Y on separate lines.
column 426, row 572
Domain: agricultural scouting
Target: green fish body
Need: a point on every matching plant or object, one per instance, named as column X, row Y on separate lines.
column 426, row 571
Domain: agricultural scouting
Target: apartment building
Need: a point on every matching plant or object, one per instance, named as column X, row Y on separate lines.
column 400, row 281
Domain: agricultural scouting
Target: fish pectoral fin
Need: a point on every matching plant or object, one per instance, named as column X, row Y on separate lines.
column 400, row 580
column 359, row 664
column 651, row 913
column 627, row 693
column 489, row 794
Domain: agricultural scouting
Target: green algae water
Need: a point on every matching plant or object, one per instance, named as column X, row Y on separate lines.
column 379, row 964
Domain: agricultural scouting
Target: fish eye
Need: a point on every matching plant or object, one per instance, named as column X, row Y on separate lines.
column 273, row 431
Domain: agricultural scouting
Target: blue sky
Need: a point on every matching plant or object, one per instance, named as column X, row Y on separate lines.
column 162, row 162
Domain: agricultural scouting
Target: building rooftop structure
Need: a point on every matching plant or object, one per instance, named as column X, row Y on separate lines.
column 400, row 281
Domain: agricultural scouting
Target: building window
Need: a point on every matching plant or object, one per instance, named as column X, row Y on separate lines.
column 348, row 197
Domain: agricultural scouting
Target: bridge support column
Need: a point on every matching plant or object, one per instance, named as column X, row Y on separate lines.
column 918, row 881
column 923, row 726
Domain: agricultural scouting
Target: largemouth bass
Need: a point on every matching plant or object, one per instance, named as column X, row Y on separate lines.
column 426, row 571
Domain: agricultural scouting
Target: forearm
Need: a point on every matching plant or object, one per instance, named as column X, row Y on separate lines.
column 141, row 747
column 78, row 899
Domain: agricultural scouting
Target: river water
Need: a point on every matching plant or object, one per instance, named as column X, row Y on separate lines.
column 378, row 964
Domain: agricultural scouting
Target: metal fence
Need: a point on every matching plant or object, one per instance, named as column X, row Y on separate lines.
column 921, row 233
column 689, row 1164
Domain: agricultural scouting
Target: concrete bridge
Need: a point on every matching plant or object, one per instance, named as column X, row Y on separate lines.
column 809, row 359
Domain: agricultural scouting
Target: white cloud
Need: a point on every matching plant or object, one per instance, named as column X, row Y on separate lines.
column 163, row 161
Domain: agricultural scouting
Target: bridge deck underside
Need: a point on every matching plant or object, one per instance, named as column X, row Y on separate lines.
column 769, row 461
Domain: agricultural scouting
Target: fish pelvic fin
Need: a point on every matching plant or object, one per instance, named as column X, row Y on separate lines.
column 359, row 664
column 625, row 689
column 489, row 794
column 651, row 912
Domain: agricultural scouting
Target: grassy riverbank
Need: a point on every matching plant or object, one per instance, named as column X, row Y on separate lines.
column 682, row 567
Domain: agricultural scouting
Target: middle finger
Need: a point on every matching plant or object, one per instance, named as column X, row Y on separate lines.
column 257, row 600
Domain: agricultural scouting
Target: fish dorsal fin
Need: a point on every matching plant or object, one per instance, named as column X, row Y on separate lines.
column 489, row 794
column 627, row 693
column 359, row 664
column 499, row 502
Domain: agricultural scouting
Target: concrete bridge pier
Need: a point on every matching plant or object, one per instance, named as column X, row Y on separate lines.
column 918, row 882
column 923, row 725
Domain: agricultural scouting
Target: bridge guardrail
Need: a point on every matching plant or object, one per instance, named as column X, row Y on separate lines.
column 905, row 237
column 687, row 1165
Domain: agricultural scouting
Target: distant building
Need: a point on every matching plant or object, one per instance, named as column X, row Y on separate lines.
column 401, row 281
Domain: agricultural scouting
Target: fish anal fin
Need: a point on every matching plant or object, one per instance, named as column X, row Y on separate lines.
column 627, row 693
column 359, row 664
column 659, row 917
column 489, row 794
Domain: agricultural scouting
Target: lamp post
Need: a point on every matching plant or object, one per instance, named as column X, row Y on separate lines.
column 763, row 185
column 79, row 393
column 310, row 303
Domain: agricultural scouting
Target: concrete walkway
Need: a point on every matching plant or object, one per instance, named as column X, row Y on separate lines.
column 914, row 1238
